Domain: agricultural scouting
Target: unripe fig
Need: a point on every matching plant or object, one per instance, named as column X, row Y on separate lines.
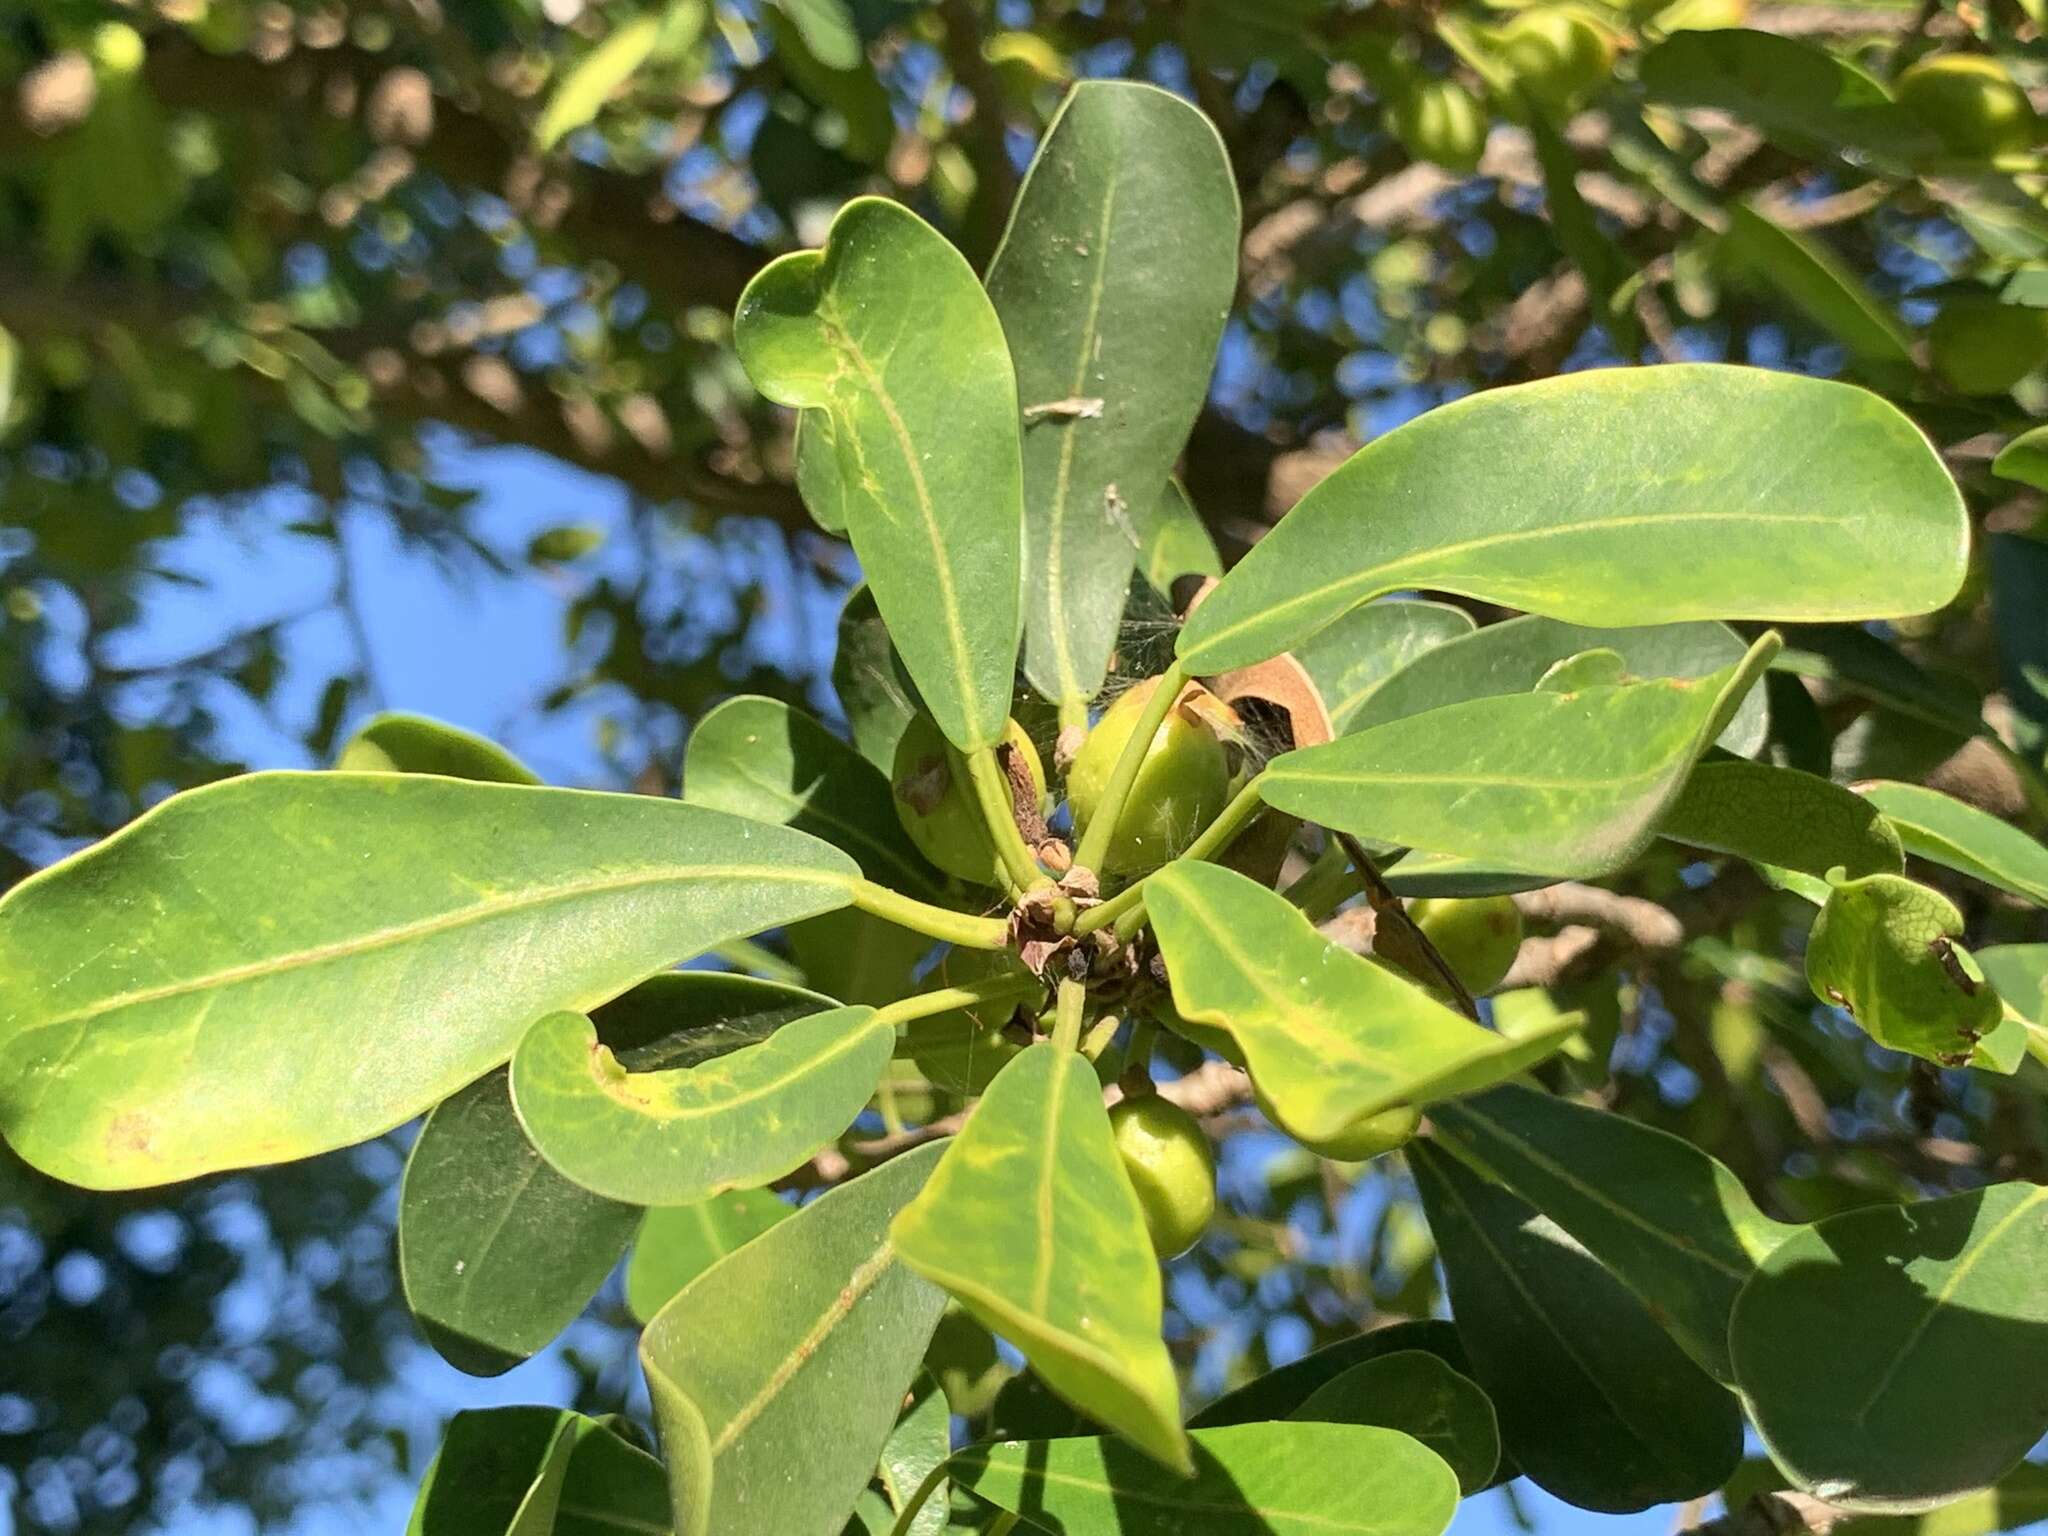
column 935, row 800
column 1982, row 347
column 1172, row 1167
column 1557, row 54
column 1971, row 104
column 1479, row 937
column 1182, row 783
column 1440, row 121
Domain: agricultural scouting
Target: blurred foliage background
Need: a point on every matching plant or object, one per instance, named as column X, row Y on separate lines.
column 374, row 353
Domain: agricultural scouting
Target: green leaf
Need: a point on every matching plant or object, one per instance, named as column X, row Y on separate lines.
column 1961, row 837
column 1610, row 497
column 1665, row 1219
column 1113, row 282
column 590, row 82
column 284, row 963
column 802, row 1342
column 1330, row 1037
column 2020, row 1499
column 1800, row 95
column 1783, row 817
column 1279, row 1392
column 839, row 78
column 2020, row 973
column 1851, row 657
column 1892, row 1357
column 537, row 1472
column 1173, row 541
column 827, row 29
column 678, row 1243
column 879, row 699
column 1817, row 284
column 1609, row 273
column 758, row 757
column 1564, row 784
column 498, row 1253
column 1413, row 1391
column 1032, row 1223
column 887, row 330
column 818, row 482
column 2025, row 458
column 1248, row 1480
column 920, row 1441
column 1514, row 656
column 398, row 743
column 1887, row 951
column 679, row 1136
column 1353, row 657
column 858, row 957
column 2019, row 593
column 1597, row 1404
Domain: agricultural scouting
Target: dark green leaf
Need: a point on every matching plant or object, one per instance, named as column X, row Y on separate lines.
column 919, row 1442
column 1173, row 541
column 395, row 743
column 1818, row 285
column 1279, row 1392
column 1893, row 1357
column 1596, row 1403
column 1413, row 1391
column 537, row 1472
column 1783, row 817
column 1352, row 657
column 879, row 699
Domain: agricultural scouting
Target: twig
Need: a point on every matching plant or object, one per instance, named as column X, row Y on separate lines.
column 1387, row 908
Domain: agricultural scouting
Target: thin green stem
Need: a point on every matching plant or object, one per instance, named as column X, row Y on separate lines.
column 1215, row 837
column 962, row 928
column 758, row 960
column 990, row 989
column 1327, row 885
column 1066, row 1026
column 1138, row 1053
column 1102, row 827
column 907, row 1515
column 1074, row 714
column 999, row 810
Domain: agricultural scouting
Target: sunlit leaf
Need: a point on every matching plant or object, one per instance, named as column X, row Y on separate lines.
column 1818, row 285
column 1614, row 497
column 1032, row 1223
column 1597, row 1404
column 1413, row 1391
column 918, row 1443
column 282, row 963
column 1248, row 1480
column 1113, row 282
column 678, row 1243
column 1943, row 829
column 681, row 1135
column 2025, row 459
column 1330, row 1037
column 399, row 743
column 808, row 1337
column 887, row 330
column 1353, row 657
column 1782, row 817
column 1565, row 784
column 1173, row 541
column 590, row 82
column 1892, row 1357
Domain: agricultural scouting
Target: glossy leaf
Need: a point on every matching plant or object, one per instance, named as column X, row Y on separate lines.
column 1892, row 1356
column 1961, row 837
column 1330, row 1037
column 1112, row 282
column 1249, row 1480
column 888, row 332
column 682, row 1135
column 1665, row 1219
column 1800, row 95
column 1285, row 1388
column 284, row 963
column 537, row 1472
column 1888, row 951
column 1610, row 497
column 758, row 757
column 399, row 743
column 498, row 1253
column 678, row 1243
column 1782, row 817
column 2025, row 459
column 1817, row 284
column 1596, row 1403
column 1565, row 784
column 1352, row 657
column 806, row 1337
column 1515, row 655
column 919, row 1442
column 1032, row 1223
column 1413, row 1391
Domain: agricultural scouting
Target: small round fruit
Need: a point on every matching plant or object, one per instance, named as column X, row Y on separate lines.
column 1982, row 347
column 1170, row 1165
column 935, row 801
column 1557, row 53
column 1971, row 104
column 1440, row 121
column 1479, row 937
column 1182, row 783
